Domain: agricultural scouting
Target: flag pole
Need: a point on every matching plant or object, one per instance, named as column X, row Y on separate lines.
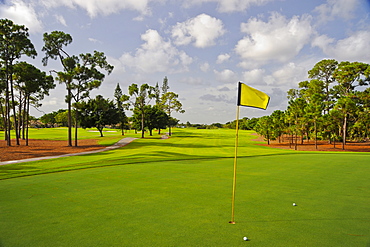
column 235, row 161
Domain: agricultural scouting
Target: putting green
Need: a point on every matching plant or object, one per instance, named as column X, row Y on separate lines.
column 175, row 200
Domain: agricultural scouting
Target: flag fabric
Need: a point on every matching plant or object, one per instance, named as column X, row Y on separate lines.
column 248, row 96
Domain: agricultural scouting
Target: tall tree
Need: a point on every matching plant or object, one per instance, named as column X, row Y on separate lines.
column 54, row 44
column 264, row 128
column 277, row 123
column 313, row 93
column 32, row 85
column 324, row 71
column 141, row 98
column 170, row 103
column 87, row 77
column 14, row 43
column 157, row 94
column 349, row 75
column 81, row 73
column 165, row 86
column 296, row 118
column 121, row 108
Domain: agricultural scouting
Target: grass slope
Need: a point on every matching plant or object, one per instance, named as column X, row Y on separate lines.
column 177, row 192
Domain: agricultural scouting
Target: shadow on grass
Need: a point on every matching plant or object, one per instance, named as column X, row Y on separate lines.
column 24, row 170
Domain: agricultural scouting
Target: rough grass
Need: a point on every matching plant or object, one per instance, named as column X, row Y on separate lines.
column 177, row 192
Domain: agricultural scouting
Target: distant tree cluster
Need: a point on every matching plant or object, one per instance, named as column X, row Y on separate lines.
column 147, row 116
column 333, row 105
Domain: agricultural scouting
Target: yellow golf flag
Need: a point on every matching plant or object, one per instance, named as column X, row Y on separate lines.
column 248, row 96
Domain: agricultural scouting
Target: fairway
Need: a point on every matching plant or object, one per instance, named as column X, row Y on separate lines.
column 177, row 192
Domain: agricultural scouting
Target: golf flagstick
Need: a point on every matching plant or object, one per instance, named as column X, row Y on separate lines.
column 247, row 96
column 235, row 161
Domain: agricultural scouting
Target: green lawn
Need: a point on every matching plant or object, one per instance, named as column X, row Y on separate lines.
column 110, row 135
column 177, row 192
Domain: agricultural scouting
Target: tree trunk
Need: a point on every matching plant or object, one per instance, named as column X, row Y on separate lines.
column 28, row 113
column 14, row 112
column 25, row 115
column 2, row 111
column 344, row 134
column 7, row 112
column 295, row 141
column 76, row 130
column 315, row 134
column 142, row 124
column 101, row 131
column 69, row 117
column 20, row 115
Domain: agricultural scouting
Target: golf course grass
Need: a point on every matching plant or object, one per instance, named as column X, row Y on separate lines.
column 177, row 192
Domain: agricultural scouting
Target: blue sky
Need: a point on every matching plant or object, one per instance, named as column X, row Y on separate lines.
column 204, row 47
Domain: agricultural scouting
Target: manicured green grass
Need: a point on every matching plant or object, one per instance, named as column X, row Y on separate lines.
column 110, row 135
column 177, row 192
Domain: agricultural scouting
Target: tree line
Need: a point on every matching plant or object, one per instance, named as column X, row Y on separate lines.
column 100, row 112
column 333, row 105
column 22, row 85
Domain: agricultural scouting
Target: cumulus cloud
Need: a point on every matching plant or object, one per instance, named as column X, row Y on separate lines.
column 279, row 39
column 98, row 7
column 21, row 13
column 255, row 76
column 229, row 5
column 337, row 8
column 289, row 75
column 226, row 76
column 201, row 30
column 156, row 55
column 353, row 47
column 204, row 67
column 222, row 58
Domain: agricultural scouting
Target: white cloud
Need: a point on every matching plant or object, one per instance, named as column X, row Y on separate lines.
column 98, row 7
column 203, row 30
column 22, row 14
column 222, row 58
column 289, row 75
column 354, row 47
column 95, row 40
column 278, row 39
column 229, row 5
column 156, row 55
column 255, row 76
column 337, row 9
column 204, row 67
column 226, row 76
column 61, row 20
column 51, row 102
